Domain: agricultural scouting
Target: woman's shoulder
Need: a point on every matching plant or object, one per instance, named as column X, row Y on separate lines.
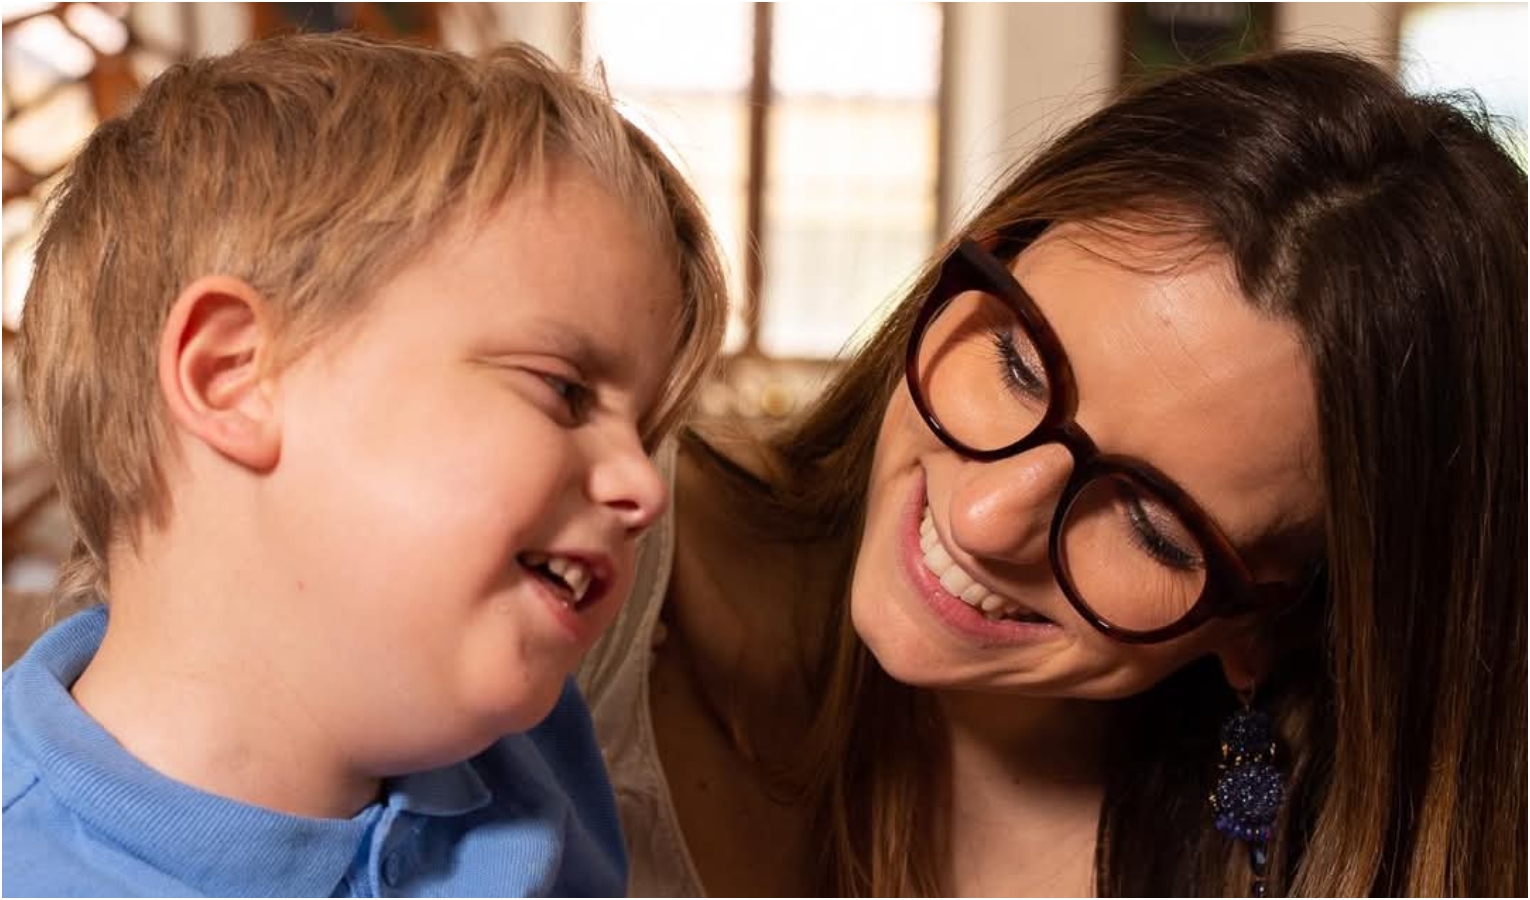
column 730, row 587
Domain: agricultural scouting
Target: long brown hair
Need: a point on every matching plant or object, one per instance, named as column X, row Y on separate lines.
column 1392, row 231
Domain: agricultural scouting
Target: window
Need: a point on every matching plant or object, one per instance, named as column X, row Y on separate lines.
column 1477, row 46
column 812, row 133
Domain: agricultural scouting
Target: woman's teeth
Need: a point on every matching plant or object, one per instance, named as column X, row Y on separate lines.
column 961, row 585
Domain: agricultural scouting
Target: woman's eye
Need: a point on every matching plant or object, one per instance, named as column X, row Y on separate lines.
column 1017, row 372
column 1152, row 541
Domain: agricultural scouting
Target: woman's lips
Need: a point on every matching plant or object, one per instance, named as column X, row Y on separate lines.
column 959, row 615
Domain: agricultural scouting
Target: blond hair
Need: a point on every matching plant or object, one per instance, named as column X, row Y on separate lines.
column 312, row 167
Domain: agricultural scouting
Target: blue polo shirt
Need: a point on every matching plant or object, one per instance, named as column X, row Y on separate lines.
column 531, row 816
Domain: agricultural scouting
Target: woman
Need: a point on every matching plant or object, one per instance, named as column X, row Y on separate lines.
column 1194, row 465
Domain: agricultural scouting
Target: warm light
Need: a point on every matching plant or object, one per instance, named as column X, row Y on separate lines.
column 825, row 48
column 45, row 40
column 1477, row 46
column 12, row 9
column 100, row 28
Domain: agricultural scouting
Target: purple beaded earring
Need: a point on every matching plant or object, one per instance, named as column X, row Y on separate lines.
column 1249, row 788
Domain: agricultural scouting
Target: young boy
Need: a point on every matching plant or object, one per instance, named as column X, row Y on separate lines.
column 349, row 356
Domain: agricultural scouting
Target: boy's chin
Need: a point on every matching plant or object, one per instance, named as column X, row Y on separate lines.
column 475, row 730
column 529, row 710
column 525, row 708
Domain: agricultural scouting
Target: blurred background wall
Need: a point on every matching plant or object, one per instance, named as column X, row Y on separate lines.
column 835, row 144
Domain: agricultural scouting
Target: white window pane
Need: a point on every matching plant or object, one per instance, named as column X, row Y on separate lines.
column 850, row 193
column 681, row 71
column 664, row 47
column 852, row 49
column 1480, row 46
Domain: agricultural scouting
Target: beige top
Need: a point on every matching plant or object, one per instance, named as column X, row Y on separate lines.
column 614, row 678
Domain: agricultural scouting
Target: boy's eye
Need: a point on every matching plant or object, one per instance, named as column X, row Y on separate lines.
column 575, row 396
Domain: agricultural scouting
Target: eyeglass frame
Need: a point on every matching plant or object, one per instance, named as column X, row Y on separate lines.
column 1229, row 588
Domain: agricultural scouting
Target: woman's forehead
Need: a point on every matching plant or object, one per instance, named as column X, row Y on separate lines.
column 1174, row 366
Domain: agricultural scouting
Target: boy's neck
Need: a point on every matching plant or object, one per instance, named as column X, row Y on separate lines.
column 189, row 679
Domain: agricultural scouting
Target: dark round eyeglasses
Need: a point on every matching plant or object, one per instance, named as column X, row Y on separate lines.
column 1137, row 558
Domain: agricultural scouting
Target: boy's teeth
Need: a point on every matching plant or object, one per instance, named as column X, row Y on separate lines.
column 571, row 572
column 961, row 585
column 578, row 579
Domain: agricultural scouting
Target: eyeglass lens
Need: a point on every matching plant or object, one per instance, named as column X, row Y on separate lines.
column 1125, row 552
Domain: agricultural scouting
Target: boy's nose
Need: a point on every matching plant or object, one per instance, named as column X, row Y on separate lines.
column 1004, row 509
column 626, row 481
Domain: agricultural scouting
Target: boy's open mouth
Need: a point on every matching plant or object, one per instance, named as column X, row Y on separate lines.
column 566, row 575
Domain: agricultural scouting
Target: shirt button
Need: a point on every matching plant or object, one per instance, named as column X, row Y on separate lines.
column 391, row 869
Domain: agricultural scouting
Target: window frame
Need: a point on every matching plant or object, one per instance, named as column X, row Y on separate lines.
column 750, row 357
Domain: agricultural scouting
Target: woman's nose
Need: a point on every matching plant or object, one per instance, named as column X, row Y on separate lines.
column 1004, row 509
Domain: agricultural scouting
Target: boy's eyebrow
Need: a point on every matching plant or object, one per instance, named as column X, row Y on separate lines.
column 593, row 360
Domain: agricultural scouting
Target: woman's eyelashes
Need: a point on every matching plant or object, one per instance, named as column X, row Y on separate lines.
column 1019, row 374
column 1148, row 538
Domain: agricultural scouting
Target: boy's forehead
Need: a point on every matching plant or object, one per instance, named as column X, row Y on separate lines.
column 566, row 263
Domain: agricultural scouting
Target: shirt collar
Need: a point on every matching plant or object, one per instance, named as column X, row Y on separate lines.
column 218, row 845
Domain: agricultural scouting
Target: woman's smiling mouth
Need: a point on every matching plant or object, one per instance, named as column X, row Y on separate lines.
column 950, row 592
column 959, row 584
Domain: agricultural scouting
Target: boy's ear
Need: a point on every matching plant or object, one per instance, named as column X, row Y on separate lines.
column 214, row 354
